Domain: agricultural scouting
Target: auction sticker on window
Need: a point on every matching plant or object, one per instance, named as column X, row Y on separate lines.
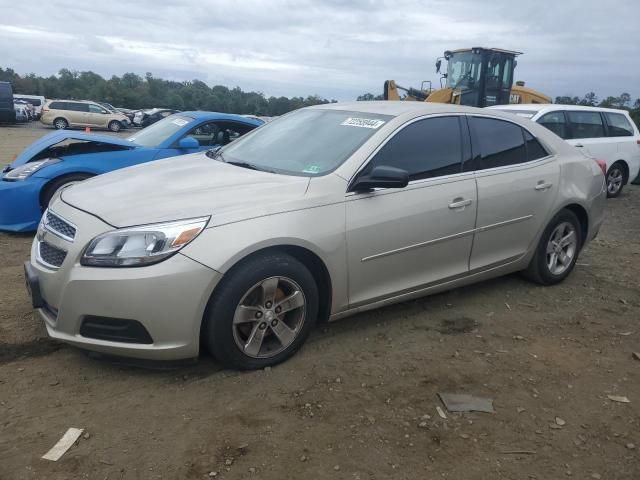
column 363, row 122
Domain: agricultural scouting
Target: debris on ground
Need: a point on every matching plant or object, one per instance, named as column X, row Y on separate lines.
column 460, row 402
column 636, row 355
column 59, row 449
column 560, row 421
column 441, row 412
column 518, row 452
column 618, row 398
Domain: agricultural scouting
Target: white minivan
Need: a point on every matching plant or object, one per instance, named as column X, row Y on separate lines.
column 36, row 100
column 603, row 133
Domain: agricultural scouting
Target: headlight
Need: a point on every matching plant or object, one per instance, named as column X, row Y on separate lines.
column 140, row 246
column 28, row 169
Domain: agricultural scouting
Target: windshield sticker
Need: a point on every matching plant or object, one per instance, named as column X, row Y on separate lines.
column 312, row 169
column 181, row 122
column 363, row 122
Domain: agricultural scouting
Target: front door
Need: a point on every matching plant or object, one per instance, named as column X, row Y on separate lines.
column 517, row 184
column 97, row 116
column 400, row 240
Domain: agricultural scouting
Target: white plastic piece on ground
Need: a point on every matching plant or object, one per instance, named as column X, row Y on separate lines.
column 619, row 399
column 60, row 448
column 456, row 402
column 440, row 412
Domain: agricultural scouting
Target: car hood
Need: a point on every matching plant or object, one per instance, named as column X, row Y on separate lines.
column 54, row 138
column 185, row 187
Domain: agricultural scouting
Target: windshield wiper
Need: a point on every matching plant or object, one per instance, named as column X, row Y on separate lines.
column 250, row 166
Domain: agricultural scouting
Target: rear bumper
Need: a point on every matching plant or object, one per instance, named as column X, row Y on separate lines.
column 20, row 204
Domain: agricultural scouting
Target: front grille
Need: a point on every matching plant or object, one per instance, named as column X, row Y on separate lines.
column 60, row 226
column 51, row 255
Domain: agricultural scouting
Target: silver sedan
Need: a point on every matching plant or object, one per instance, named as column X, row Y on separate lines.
column 320, row 214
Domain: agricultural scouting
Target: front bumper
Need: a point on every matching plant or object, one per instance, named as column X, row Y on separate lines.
column 168, row 299
column 20, row 204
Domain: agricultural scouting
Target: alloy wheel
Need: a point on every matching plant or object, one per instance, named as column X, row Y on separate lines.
column 269, row 317
column 615, row 177
column 561, row 248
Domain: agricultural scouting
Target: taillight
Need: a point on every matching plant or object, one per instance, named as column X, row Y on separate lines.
column 603, row 166
column 45, row 109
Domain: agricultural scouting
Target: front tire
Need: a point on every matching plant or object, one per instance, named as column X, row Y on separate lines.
column 557, row 250
column 616, row 179
column 115, row 126
column 262, row 312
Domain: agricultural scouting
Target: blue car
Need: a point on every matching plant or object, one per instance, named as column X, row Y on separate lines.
column 63, row 158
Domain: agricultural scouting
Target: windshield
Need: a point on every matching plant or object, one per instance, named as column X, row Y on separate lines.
column 463, row 70
column 155, row 134
column 306, row 142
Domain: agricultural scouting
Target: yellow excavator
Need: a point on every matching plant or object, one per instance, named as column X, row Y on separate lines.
column 478, row 77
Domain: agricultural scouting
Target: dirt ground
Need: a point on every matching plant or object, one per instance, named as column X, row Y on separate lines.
column 359, row 400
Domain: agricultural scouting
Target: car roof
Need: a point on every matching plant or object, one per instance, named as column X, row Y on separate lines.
column 550, row 107
column 397, row 108
column 200, row 115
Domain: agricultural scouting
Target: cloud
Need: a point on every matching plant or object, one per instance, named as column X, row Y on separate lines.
column 333, row 48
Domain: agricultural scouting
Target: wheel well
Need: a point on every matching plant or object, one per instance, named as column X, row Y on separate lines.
column 316, row 267
column 583, row 218
column 44, row 191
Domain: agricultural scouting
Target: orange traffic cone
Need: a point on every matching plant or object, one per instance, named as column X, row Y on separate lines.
column 87, row 130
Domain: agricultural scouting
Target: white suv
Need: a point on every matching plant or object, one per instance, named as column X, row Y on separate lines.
column 603, row 133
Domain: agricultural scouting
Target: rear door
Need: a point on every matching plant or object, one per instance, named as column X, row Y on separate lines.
column 402, row 239
column 517, row 183
column 77, row 113
column 587, row 132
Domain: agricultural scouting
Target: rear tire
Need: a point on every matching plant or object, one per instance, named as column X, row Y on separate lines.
column 54, row 187
column 115, row 126
column 262, row 312
column 617, row 177
column 60, row 124
column 557, row 250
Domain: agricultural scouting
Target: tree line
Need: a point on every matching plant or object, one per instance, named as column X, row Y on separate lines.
column 135, row 92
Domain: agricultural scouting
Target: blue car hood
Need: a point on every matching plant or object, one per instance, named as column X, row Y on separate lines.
column 59, row 136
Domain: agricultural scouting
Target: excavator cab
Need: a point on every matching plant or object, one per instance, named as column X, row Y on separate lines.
column 480, row 77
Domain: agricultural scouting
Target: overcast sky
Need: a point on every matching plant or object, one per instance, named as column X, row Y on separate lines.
column 336, row 49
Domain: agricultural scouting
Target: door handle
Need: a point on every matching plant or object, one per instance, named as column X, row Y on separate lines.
column 579, row 145
column 542, row 185
column 459, row 203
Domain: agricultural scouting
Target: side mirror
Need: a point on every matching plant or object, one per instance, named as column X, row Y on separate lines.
column 188, row 143
column 438, row 64
column 381, row 177
column 104, row 112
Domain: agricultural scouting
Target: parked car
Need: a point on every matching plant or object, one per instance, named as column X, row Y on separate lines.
column 36, row 100
column 22, row 113
column 325, row 212
column 64, row 114
column 127, row 112
column 7, row 112
column 144, row 118
column 64, row 158
column 604, row 133
column 28, row 108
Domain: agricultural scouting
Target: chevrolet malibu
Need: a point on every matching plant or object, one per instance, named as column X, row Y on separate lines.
column 320, row 214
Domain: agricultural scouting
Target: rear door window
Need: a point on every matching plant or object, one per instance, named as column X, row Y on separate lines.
column 556, row 122
column 496, row 143
column 586, row 124
column 618, row 125
column 57, row 106
column 95, row 109
column 427, row 148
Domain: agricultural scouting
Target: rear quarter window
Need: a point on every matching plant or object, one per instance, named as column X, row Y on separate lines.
column 619, row 125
